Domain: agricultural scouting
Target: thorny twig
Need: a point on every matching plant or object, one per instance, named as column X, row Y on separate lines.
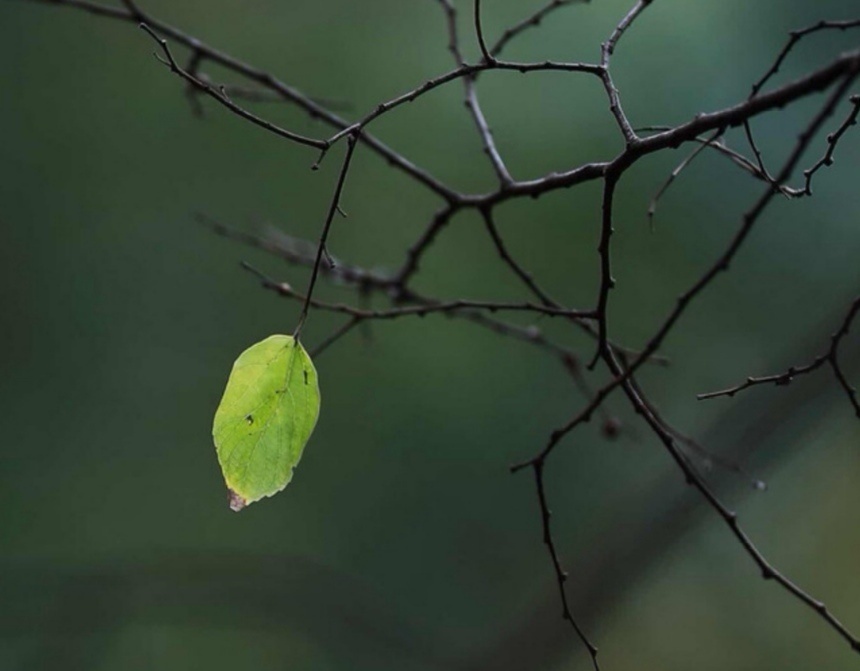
column 794, row 37
column 830, row 357
column 623, row 378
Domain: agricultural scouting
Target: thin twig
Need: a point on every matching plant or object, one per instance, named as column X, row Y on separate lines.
column 531, row 21
column 333, row 206
column 606, row 51
column 222, row 98
column 768, row 571
column 652, row 207
column 832, row 141
column 509, row 260
column 335, row 336
column 421, row 309
column 479, row 32
column 472, row 102
column 793, row 38
column 830, row 357
column 560, row 573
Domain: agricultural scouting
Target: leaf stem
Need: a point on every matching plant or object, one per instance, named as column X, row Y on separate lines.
column 332, row 210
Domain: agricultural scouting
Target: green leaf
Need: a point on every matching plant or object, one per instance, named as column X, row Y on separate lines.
column 266, row 416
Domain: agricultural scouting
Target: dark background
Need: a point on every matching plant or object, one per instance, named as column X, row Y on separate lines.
column 403, row 542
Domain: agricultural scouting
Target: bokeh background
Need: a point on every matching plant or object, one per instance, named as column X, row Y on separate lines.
column 403, row 542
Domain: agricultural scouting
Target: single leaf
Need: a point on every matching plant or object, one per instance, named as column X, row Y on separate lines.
column 266, row 416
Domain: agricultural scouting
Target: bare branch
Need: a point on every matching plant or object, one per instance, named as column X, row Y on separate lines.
column 830, row 357
column 472, row 95
column 479, row 32
column 652, row 207
column 335, row 336
column 768, row 571
column 268, row 81
column 560, row 573
column 706, row 131
column 532, row 21
column 509, row 260
column 422, row 307
column 832, row 141
column 222, row 98
column 794, row 37
column 607, row 49
column 607, row 282
column 333, row 208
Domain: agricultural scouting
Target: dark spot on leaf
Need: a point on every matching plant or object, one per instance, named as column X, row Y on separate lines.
column 306, row 375
column 249, row 419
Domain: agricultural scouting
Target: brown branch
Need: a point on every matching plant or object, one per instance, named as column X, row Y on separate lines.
column 560, row 573
column 652, row 207
column 606, row 51
column 832, row 141
column 423, row 307
column 768, row 571
column 461, row 72
column 607, row 282
column 302, row 253
column 266, row 80
column 221, row 97
column 509, row 260
column 335, row 336
column 531, row 21
column 333, row 208
column 472, row 102
column 705, row 129
column 479, row 32
column 830, row 357
column 622, row 375
column 413, row 255
column 793, row 38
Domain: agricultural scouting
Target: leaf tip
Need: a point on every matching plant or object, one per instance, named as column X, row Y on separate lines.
column 237, row 503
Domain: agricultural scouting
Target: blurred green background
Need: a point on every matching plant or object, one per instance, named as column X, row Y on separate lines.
column 403, row 542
